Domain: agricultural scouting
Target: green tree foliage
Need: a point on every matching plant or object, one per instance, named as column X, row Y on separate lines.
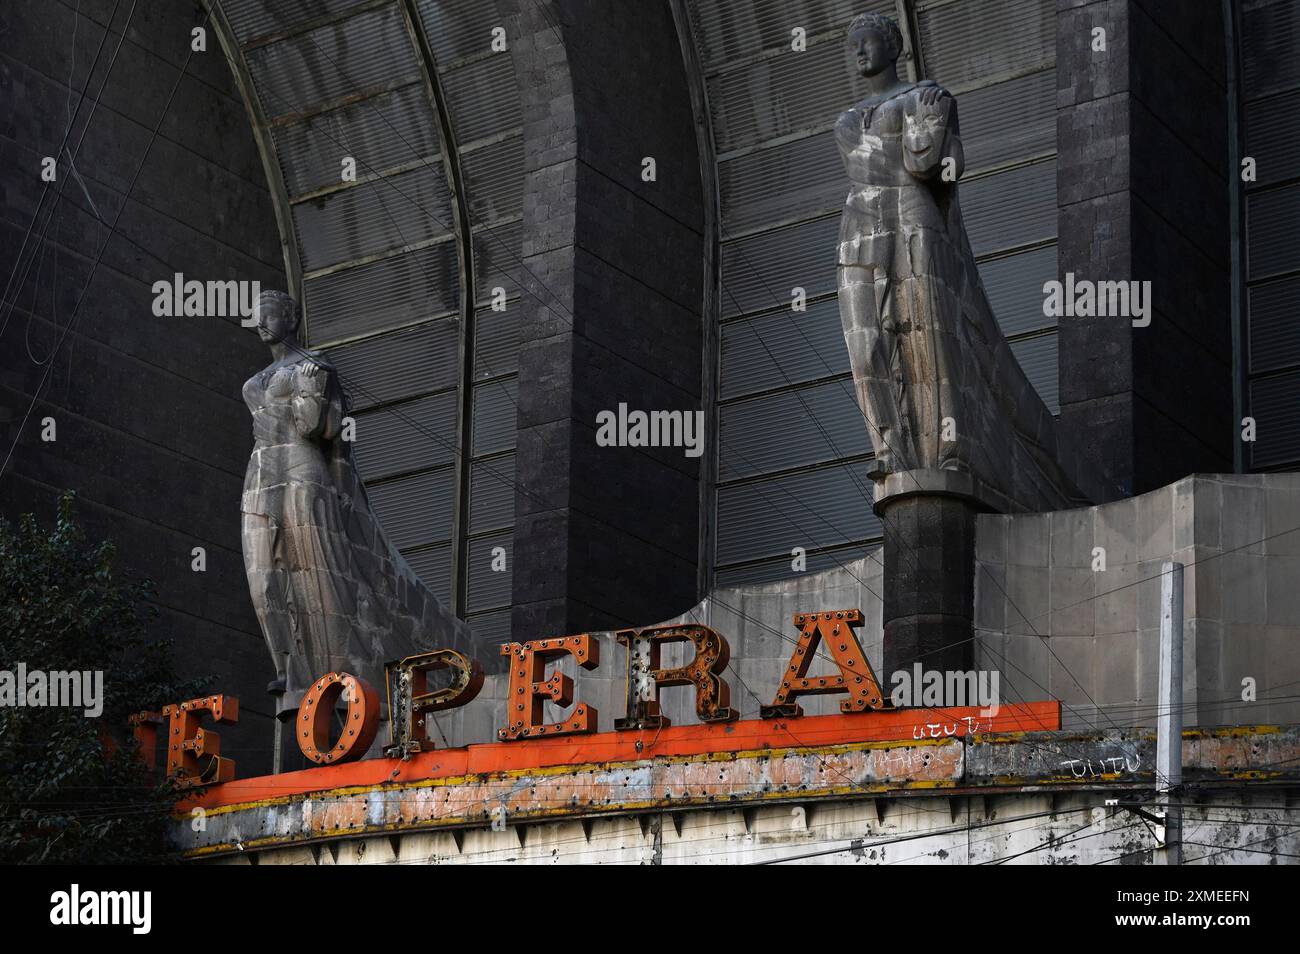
column 73, row 789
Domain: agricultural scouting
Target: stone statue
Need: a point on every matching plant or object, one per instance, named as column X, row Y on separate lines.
column 948, row 407
column 330, row 591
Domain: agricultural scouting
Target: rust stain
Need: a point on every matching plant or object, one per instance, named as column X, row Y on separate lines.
column 714, row 741
column 861, row 768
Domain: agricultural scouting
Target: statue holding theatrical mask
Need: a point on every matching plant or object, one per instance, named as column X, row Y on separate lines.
column 947, row 405
column 330, row 592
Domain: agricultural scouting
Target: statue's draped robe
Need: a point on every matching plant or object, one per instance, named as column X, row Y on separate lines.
column 330, row 591
column 934, row 376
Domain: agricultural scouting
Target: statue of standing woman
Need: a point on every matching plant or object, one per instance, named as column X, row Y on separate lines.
column 330, row 591
column 947, row 405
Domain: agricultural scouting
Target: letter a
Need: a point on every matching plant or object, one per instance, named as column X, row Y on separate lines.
column 855, row 676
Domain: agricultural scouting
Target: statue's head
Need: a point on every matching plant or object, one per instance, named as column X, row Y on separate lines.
column 278, row 316
column 875, row 43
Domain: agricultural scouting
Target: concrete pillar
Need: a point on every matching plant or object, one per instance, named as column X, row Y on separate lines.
column 605, row 536
column 929, row 582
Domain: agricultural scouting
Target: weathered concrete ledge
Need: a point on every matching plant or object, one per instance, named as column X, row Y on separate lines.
column 789, row 767
column 1235, row 754
column 930, row 482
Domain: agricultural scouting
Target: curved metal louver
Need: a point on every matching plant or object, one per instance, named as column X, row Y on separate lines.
column 780, row 189
column 413, row 98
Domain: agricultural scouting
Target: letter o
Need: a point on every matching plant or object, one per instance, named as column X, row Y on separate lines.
column 315, row 719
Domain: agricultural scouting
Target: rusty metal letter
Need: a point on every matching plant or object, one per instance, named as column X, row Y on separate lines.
column 188, row 742
column 530, row 688
column 144, row 726
column 645, row 675
column 316, row 718
column 411, row 699
column 855, row 676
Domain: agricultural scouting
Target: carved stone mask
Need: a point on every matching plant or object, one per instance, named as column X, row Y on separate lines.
column 924, row 128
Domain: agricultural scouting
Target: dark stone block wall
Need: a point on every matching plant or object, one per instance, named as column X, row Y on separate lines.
column 605, row 536
column 1143, row 195
column 151, row 430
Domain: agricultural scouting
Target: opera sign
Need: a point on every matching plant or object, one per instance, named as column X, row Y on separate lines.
column 194, row 753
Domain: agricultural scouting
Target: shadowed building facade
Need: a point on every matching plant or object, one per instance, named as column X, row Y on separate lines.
column 500, row 269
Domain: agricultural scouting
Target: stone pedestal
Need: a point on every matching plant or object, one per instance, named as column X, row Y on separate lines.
column 929, row 582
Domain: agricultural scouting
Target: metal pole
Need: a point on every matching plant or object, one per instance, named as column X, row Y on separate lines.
column 1169, row 731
